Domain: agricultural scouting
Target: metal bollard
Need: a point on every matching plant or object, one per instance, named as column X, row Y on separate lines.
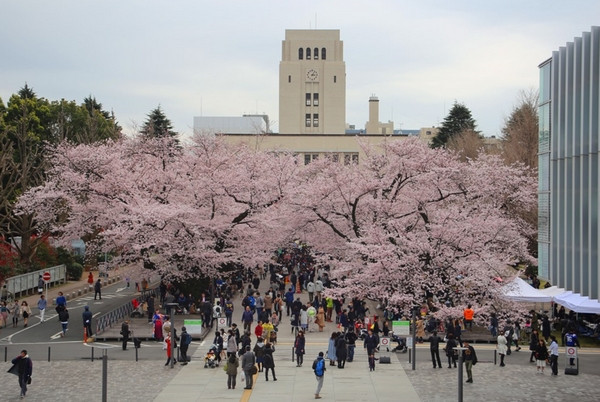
column 5, row 354
column 293, row 354
column 92, row 353
column 495, row 357
column 48, row 354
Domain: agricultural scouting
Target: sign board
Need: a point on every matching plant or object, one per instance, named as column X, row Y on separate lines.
column 409, row 342
column 222, row 322
column 46, row 276
column 571, row 352
column 385, row 341
column 193, row 327
column 401, row 327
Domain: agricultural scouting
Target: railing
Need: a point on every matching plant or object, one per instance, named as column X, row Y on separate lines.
column 29, row 281
column 116, row 315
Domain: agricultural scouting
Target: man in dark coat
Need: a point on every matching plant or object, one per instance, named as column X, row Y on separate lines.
column 125, row 333
column 248, row 362
column 98, row 289
column 434, row 348
column 470, row 359
column 341, row 351
column 87, row 320
column 24, row 369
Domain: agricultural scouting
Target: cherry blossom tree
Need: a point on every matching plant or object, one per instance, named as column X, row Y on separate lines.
column 185, row 211
column 412, row 224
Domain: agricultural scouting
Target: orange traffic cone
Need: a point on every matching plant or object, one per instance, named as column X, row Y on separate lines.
column 85, row 336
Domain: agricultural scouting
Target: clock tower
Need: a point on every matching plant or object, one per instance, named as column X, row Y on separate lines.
column 312, row 83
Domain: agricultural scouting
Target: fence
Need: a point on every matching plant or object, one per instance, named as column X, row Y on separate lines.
column 116, row 315
column 17, row 285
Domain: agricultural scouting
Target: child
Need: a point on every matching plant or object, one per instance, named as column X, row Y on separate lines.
column 371, row 362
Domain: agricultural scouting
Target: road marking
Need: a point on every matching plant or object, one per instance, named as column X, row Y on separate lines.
column 56, row 336
column 121, row 289
column 96, row 315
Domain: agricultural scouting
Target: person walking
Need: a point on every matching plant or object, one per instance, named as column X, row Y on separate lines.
column 25, row 312
column 533, row 342
column 61, row 301
column 42, row 304
column 269, row 362
column 41, row 285
column 86, row 316
column 98, row 289
column 299, row 345
column 541, row 355
column 232, row 369
column 248, row 365
column 15, row 312
column 90, row 280
column 554, row 355
column 63, row 317
column 341, row 350
column 351, row 338
column 501, row 347
column 232, row 346
column 331, row 355
column 169, row 351
column 259, row 352
column 470, row 358
column 434, row 348
column 23, row 367
column 449, row 348
column 125, row 332
column 319, row 369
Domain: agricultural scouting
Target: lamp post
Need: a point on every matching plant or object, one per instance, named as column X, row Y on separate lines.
column 414, row 338
column 460, row 372
column 104, row 348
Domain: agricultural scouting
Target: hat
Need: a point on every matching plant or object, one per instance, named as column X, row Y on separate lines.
column 320, row 354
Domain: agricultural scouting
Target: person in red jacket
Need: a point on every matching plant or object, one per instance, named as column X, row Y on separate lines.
column 258, row 331
column 169, row 352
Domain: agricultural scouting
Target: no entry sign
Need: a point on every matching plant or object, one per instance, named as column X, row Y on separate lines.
column 46, row 276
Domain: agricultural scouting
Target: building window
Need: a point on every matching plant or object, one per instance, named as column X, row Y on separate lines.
column 316, row 120
column 323, row 54
column 301, row 53
column 307, row 119
column 308, row 99
column 307, row 53
column 316, row 53
column 308, row 158
column 350, row 158
column 315, row 99
column 335, row 158
column 355, row 159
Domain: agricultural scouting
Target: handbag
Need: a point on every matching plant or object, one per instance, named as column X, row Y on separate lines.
column 254, row 370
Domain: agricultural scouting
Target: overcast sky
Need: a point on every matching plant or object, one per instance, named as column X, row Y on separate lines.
column 221, row 58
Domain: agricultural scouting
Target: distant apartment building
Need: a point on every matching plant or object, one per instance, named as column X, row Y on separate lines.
column 569, row 186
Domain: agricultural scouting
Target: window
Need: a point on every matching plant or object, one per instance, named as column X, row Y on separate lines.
column 350, row 158
column 315, row 99
column 316, row 53
column 300, row 53
column 355, row 159
column 308, row 99
column 335, row 158
column 307, row 119
column 316, row 120
column 310, row 157
column 307, row 53
column 335, row 78
column 323, row 54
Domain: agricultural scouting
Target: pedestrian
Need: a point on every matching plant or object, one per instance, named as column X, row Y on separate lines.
column 127, row 281
column 458, row 332
column 232, row 346
column 259, row 352
column 232, row 365
column 501, row 347
column 248, row 365
column 541, row 355
column 90, row 280
column 61, row 301
column 470, row 359
column 351, row 338
column 420, row 330
column 299, row 345
column 41, row 285
column 331, row 355
column 218, row 342
column 25, row 312
column 319, row 369
column 341, row 351
column 468, row 314
column 42, row 304
column 546, row 327
column 86, row 317
column 158, row 323
column 450, row 352
column 247, row 319
column 186, row 340
column 571, row 340
column 169, row 351
column 434, row 348
column 320, row 318
column 63, row 317
column 15, row 312
column 493, row 325
column 23, row 367
column 268, row 361
column 4, row 313
column 554, row 355
column 371, row 342
column 533, row 342
column 98, row 289
column 150, row 306
column 125, row 332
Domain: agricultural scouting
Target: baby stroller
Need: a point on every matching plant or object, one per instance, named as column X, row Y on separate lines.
column 361, row 331
column 210, row 360
column 401, row 344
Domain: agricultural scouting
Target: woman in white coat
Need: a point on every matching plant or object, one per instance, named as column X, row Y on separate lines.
column 501, row 347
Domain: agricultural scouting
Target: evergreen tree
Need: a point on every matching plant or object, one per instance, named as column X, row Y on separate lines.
column 157, row 125
column 458, row 120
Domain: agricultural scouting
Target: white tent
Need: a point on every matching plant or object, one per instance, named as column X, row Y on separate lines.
column 578, row 303
column 520, row 291
column 552, row 291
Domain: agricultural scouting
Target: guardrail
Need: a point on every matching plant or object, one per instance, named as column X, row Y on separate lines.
column 116, row 315
column 16, row 285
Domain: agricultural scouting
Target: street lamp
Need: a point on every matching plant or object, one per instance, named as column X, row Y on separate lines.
column 104, row 348
column 460, row 372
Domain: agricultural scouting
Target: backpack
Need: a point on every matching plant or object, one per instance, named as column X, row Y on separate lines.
column 320, row 368
column 186, row 339
column 228, row 308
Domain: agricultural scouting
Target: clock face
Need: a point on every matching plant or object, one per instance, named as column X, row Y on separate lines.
column 312, row 74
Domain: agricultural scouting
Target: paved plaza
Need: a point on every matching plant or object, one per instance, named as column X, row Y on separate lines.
column 147, row 380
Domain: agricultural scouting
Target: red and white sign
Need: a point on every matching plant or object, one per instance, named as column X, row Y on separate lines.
column 571, row 351
column 46, row 276
column 385, row 341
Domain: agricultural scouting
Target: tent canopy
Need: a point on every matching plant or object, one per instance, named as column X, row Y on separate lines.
column 578, row 303
column 520, row 291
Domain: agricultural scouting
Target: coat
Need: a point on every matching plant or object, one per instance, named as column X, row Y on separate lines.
column 501, row 347
column 268, row 361
column 341, row 349
column 320, row 317
column 248, row 360
column 331, row 355
column 300, row 344
column 232, row 366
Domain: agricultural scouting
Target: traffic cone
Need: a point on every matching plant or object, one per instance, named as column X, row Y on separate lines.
column 85, row 336
column 298, row 288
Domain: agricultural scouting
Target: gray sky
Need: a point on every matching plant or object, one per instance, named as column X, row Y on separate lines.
column 221, row 58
